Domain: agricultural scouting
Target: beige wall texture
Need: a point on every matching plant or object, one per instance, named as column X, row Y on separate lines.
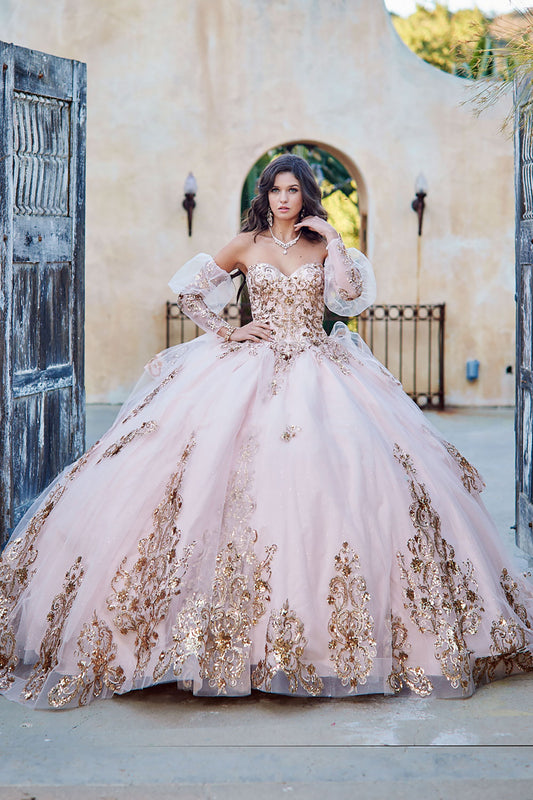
column 209, row 86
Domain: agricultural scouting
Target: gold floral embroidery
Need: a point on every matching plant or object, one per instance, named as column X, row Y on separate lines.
column 337, row 354
column 512, row 593
column 15, row 569
column 353, row 275
column 230, row 347
column 293, row 308
column 262, row 588
column 53, row 636
column 284, row 649
column 413, row 677
column 8, row 658
column 472, row 480
column 350, row 626
column 284, row 357
column 142, row 594
column 226, row 638
column 150, row 396
column 116, row 447
column 209, row 277
column 441, row 596
column 215, row 630
column 191, row 299
column 508, row 648
column 290, row 432
column 194, row 307
column 509, row 653
column 97, row 651
column 285, row 354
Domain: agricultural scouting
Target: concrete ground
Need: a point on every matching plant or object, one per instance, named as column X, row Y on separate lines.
column 162, row 744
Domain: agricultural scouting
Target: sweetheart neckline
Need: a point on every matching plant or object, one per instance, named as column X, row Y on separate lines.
column 267, row 264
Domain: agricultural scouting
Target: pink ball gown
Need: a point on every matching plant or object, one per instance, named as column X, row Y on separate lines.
column 263, row 515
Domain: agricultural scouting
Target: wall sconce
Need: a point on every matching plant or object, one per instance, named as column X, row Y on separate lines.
column 189, row 190
column 421, row 190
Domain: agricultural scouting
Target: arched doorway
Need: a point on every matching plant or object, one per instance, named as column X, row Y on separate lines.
column 343, row 195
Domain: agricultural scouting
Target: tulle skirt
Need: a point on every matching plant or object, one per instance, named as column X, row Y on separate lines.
column 281, row 518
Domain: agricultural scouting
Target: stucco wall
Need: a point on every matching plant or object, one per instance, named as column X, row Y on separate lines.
column 208, row 86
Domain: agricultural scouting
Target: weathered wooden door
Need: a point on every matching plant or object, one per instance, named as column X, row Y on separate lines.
column 42, row 210
column 524, row 322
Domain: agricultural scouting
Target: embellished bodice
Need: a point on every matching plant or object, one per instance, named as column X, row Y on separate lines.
column 292, row 305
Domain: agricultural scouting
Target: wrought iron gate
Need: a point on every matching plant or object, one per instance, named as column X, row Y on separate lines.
column 42, row 210
column 408, row 339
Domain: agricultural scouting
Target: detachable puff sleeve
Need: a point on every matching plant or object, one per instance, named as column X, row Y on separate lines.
column 203, row 290
column 349, row 283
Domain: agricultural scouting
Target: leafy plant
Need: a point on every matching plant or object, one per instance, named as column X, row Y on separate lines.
column 448, row 41
column 513, row 58
column 497, row 54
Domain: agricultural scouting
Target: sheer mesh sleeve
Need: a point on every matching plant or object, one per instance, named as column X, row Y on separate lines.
column 349, row 283
column 203, row 290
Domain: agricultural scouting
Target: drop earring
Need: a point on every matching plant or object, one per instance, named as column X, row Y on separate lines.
column 270, row 218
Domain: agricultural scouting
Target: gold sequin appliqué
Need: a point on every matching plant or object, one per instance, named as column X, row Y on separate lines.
column 293, row 307
column 512, row 593
column 150, row 396
column 143, row 592
column 441, row 596
column 116, row 447
column 16, row 572
column 290, row 432
column 284, row 651
column 192, row 298
column 353, row 274
column 508, row 648
column 286, row 353
column 402, row 673
column 216, row 630
column 97, row 651
column 350, row 626
column 53, row 636
column 470, row 477
column 194, row 307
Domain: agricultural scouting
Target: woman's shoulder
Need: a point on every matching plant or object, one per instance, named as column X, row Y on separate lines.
column 316, row 251
column 232, row 255
column 244, row 240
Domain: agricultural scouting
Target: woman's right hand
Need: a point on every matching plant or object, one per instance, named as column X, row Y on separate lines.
column 252, row 332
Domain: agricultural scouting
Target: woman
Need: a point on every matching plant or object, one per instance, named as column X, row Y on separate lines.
column 269, row 510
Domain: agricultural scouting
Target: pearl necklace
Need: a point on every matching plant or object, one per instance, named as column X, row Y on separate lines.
column 284, row 245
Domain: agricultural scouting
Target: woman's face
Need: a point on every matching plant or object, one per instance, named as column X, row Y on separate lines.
column 285, row 197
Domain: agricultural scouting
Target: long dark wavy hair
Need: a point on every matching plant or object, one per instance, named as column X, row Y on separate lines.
column 256, row 219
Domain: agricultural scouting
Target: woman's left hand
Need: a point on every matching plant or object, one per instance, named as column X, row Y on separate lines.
column 319, row 225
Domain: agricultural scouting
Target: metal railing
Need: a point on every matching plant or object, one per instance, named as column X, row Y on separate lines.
column 407, row 339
